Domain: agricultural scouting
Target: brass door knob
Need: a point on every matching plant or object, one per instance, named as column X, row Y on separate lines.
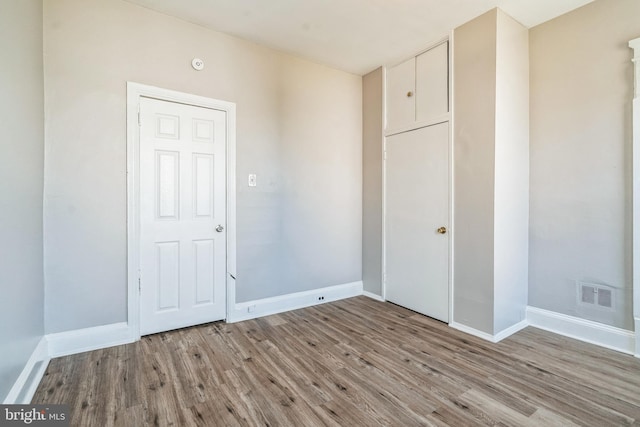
column 442, row 230
column 409, row 94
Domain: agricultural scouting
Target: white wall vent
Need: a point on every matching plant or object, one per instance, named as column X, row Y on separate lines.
column 596, row 296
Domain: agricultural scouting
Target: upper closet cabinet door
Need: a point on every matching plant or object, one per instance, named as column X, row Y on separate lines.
column 432, row 83
column 401, row 88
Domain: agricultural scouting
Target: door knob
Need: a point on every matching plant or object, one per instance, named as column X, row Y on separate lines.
column 442, row 230
column 409, row 94
column 219, row 228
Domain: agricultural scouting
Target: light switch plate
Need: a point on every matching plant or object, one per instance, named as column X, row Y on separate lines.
column 253, row 182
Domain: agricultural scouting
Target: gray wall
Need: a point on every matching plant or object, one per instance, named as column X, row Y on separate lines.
column 372, row 184
column 299, row 128
column 474, row 135
column 21, row 163
column 581, row 92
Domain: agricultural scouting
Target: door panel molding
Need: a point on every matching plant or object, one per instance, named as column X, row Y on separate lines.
column 135, row 91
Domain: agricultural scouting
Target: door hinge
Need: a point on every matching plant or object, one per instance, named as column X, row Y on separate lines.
column 139, row 285
column 139, row 120
column 384, row 155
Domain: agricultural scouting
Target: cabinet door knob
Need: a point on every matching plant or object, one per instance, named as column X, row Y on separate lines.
column 409, row 94
column 442, row 230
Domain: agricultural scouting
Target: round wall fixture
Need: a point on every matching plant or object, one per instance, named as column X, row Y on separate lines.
column 197, row 64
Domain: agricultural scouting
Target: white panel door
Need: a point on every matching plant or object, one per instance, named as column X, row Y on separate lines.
column 417, row 205
column 432, row 83
column 182, row 215
column 400, row 91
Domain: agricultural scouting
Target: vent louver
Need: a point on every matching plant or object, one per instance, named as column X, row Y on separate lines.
column 588, row 294
column 604, row 298
column 596, row 296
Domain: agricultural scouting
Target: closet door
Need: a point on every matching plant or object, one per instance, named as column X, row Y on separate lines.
column 432, row 83
column 417, row 216
column 401, row 108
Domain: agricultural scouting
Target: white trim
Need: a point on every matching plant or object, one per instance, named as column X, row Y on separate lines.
column 562, row 324
column 445, row 118
column 295, row 301
column 635, row 191
column 583, row 330
column 20, row 386
column 419, row 124
column 134, row 92
column 471, row 331
column 373, row 296
column 88, row 339
column 231, row 207
column 432, row 45
column 496, row 338
column 505, row 333
column 452, row 228
column 636, row 324
column 384, row 185
column 133, row 207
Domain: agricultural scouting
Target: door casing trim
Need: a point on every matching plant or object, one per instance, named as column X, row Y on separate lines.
column 446, row 118
column 134, row 92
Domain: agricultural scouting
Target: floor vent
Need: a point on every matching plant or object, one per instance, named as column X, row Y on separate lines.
column 597, row 296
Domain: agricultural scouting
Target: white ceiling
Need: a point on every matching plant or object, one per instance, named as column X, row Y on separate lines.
column 352, row 35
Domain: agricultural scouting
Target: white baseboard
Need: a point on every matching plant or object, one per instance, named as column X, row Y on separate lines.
column 25, row 386
column 471, row 331
column 274, row 305
column 636, row 324
column 373, row 296
column 488, row 337
column 583, row 330
column 81, row 340
column 510, row 330
column 569, row 326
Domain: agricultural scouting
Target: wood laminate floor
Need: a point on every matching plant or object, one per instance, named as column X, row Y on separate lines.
column 356, row 362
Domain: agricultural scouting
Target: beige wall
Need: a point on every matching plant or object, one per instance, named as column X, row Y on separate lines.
column 474, row 69
column 299, row 128
column 511, row 193
column 581, row 91
column 21, row 181
column 372, row 184
column 491, row 164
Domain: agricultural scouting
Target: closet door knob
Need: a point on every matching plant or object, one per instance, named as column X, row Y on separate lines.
column 409, row 94
column 442, row 230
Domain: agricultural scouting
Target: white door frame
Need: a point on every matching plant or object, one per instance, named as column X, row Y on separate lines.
column 635, row 184
column 445, row 118
column 134, row 92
